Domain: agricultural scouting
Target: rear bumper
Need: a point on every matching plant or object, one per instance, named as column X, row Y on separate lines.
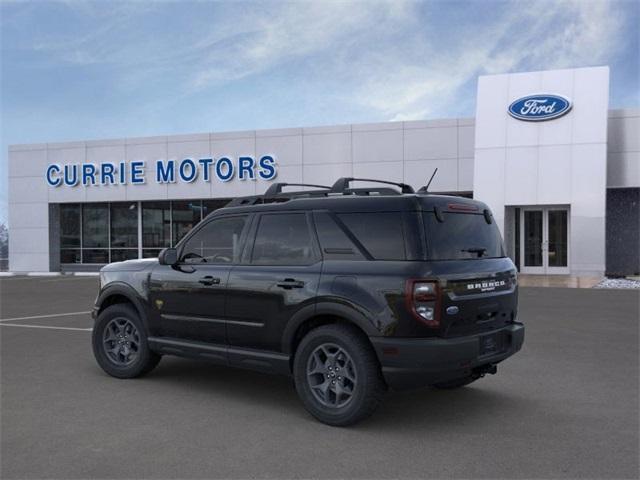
column 416, row 362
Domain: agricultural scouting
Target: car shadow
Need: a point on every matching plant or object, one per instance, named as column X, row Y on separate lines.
column 422, row 409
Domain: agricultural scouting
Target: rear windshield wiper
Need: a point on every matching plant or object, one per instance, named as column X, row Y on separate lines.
column 479, row 250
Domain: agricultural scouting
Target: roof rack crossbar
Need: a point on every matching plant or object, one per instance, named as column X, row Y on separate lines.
column 280, row 196
column 276, row 188
column 342, row 184
column 371, row 191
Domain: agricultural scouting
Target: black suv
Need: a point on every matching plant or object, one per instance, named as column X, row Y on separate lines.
column 348, row 290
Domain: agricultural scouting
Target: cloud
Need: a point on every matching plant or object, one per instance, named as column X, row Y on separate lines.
column 393, row 58
column 295, row 30
column 533, row 36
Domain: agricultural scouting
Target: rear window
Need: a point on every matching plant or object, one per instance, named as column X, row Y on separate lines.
column 381, row 234
column 462, row 236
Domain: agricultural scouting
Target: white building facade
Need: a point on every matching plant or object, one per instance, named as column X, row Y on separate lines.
column 559, row 169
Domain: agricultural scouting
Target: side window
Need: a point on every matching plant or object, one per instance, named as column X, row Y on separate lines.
column 283, row 239
column 380, row 233
column 217, row 242
column 335, row 244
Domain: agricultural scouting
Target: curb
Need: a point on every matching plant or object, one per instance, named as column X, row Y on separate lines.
column 49, row 274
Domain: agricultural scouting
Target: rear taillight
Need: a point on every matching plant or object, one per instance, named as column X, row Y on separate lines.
column 423, row 300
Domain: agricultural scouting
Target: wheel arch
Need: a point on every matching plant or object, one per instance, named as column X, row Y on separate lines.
column 121, row 293
column 320, row 314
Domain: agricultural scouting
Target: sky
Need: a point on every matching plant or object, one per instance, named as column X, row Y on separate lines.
column 73, row 70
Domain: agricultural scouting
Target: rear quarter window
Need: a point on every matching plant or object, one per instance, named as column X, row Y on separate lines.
column 461, row 236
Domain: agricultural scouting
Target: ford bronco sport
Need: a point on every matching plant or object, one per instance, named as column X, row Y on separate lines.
column 348, row 290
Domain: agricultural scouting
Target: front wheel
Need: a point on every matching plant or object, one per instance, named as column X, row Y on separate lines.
column 120, row 344
column 337, row 375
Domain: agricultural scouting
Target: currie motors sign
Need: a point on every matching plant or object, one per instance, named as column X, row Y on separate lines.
column 536, row 108
column 188, row 170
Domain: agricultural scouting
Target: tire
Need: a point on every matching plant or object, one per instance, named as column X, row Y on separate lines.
column 357, row 389
column 120, row 345
column 457, row 383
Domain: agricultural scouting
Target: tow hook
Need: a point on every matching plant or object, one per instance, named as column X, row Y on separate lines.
column 483, row 370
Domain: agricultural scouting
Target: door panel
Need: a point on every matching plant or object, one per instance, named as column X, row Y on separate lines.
column 261, row 299
column 188, row 303
column 188, row 299
column 279, row 276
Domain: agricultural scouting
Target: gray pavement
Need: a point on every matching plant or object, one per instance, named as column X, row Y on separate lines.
column 566, row 406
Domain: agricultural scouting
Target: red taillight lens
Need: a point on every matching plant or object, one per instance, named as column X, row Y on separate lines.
column 423, row 300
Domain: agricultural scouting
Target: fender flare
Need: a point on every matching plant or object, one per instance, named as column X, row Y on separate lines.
column 348, row 313
column 127, row 291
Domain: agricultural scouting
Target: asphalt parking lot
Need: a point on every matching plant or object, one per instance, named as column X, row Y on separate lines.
column 566, row 406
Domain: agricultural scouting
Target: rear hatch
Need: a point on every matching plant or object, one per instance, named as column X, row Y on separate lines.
column 477, row 282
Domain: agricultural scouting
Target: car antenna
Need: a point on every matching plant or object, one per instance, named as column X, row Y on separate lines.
column 425, row 189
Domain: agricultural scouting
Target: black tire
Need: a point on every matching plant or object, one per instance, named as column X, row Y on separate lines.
column 139, row 359
column 367, row 387
column 457, row 383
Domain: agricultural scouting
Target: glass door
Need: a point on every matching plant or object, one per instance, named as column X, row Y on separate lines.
column 533, row 241
column 544, row 240
column 557, row 241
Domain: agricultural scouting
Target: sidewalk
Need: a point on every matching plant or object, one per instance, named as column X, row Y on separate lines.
column 563, row 281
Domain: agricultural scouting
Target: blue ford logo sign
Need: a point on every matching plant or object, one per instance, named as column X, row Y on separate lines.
column 536, row 108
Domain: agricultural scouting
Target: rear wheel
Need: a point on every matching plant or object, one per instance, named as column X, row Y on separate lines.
column 337, row 375
column 120, row 343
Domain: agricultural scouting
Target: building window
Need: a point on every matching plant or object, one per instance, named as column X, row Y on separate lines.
column 184, row 216
column 95, row 225
column 156, row 227
column 95, row 233
column 108, row 232
column 70, row 240
column 209, row 206
column 124, row 231
column 124, row 225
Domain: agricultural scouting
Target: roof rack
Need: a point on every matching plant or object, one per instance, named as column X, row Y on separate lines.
column 275, row 194
column 276, row 188
column 342, row 185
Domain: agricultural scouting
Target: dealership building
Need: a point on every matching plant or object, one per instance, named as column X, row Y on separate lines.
column 558, row 168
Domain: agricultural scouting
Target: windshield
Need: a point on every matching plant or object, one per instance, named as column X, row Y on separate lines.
column 462, row 236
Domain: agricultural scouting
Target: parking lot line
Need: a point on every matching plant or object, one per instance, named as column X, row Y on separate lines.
column 35, row 317
column 45, row 326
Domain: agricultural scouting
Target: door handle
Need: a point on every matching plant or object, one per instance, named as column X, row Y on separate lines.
column 209, row 280
column 289, row 283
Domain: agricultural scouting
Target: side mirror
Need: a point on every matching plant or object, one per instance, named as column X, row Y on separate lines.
column 168, row 256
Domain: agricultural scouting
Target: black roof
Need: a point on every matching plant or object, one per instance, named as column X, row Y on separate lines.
column 341, row 197
column 353, row 203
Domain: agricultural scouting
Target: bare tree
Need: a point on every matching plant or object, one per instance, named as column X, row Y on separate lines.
column 4, row 245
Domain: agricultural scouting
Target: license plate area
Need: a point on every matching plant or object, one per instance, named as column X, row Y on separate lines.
column 492, row 344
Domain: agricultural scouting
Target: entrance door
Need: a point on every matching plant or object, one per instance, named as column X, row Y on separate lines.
column 544, row 240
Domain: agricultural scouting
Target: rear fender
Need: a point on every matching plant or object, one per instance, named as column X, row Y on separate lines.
column 347, row 313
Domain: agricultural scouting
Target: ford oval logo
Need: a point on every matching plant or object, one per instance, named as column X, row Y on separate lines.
column 536, row 108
